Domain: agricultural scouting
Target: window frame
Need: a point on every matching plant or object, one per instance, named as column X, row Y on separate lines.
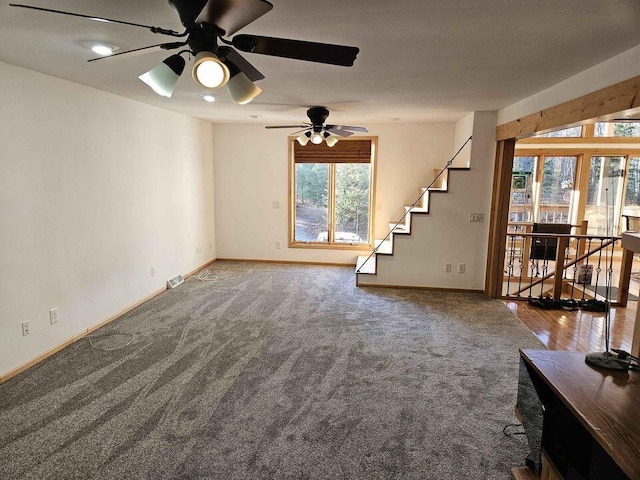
column 331, row 201
column 588, row 137
column 582, row 170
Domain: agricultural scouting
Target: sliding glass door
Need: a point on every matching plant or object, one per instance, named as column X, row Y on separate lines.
column 556, row 189
column 631, row 209
column 604, row 195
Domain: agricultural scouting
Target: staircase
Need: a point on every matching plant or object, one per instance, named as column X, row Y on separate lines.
column 368, row 264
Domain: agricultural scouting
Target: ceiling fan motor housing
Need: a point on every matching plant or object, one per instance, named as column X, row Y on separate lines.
column 317, row 115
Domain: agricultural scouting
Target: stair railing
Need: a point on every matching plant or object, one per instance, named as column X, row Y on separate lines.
column 578, row 261
column 413, row 205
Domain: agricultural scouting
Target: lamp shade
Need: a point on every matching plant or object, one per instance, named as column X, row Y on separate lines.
column 304, row 138
column 330, row 139
column 208, row 71
column 242, row 89
column 164, row 77
column 316, row 138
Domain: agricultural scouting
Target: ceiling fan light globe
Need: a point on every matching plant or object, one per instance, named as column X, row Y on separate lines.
column 303, row 139
column 331, row 140
column 208, row 71
column 164, row 77
column 316, row 139
column 242, row 89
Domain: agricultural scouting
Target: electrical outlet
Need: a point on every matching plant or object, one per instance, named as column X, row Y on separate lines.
column 476, row 217
column 447, row 268
column 275, row 204
column 53, row 316
column 26, row 329
column 153, row 271
column 198, row 250
column 461, row 267
column 277, row 245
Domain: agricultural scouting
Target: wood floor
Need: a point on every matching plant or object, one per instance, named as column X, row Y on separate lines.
column 577, row 331
column 582, row 331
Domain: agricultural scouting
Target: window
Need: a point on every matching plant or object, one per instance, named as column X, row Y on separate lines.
column 522, row 180
column 564, row 133
column 604, row 195
column 556, row 191
column 332, row 194
column 632, row 195
column 617, row 129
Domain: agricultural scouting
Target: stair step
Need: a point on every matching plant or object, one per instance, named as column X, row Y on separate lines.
column 366, row 267
column 416, row 209
column 384, row 247
column 401, row 228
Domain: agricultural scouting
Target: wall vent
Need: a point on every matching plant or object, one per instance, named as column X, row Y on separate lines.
column 174, row 282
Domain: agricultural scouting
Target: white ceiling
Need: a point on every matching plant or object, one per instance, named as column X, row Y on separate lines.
column 419, row 61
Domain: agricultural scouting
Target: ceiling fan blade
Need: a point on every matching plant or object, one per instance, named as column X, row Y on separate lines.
column 163, row 31
column 232, row 15
column 138, row 51
column 239, row 61
column 188, row 10
column 297, row 49
column 347, row 127
column 288, row 126
column 338, row 131
column 308, row 129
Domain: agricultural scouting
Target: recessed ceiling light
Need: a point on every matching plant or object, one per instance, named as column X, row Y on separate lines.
column 209, row 98
column 102, row 48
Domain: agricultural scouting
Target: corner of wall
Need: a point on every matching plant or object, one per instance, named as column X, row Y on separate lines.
column 463, row 130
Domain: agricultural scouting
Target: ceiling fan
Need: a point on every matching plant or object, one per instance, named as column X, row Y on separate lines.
column 206, row 23
column 316, row 131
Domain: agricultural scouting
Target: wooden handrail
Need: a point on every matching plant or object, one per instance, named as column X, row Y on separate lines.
column 562, row 235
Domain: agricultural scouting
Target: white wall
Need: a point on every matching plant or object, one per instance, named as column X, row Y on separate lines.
column 445, row 235
column 94, row 190
column 251, row 165
column 611, row 71
column 463, row 130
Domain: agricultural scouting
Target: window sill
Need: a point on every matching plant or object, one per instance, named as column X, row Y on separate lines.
column 335, row 246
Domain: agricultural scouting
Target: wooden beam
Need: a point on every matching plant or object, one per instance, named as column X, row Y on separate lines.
column 499, row 217
column 618, row 98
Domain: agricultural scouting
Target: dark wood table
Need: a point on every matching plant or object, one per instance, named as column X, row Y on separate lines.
column 591, row 426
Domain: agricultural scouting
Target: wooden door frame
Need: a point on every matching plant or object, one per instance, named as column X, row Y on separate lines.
column 605, row 104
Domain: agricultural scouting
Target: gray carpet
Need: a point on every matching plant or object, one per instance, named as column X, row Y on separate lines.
column 276, row 372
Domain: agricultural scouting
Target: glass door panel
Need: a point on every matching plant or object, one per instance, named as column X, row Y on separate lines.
column 604, row 195
column 556, row 191
column 522, row 179
column 631, row 210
